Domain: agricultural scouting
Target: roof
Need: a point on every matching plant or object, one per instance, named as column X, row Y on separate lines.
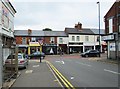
column 40, row 33
column 113, row 7
column 55, row 33
column 77, row 31
column 96, row 31
column 25, row 33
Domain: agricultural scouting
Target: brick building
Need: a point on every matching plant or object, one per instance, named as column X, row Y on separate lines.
column 112, row 30
column 27, row 40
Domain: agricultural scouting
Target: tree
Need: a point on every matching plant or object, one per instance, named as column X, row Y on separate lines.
column 47, row 29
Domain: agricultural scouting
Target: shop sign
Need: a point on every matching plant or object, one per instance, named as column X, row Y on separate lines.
column 108, row 37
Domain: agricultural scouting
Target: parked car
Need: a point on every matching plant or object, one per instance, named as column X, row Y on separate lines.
column 37, row 55
column 90, row 53
column 22, row 60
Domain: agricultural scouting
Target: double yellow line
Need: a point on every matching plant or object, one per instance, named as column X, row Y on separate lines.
column 61, row 77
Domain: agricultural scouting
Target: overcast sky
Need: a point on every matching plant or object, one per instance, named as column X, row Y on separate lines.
column 40, row 14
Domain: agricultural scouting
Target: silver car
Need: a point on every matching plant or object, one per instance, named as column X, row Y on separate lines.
column 22, row 60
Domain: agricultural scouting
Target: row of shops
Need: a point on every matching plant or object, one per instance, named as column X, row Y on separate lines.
column 35, row 46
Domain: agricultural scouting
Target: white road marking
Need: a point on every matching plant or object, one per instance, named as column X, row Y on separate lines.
column 111, row 71
column 72, row 78
column 28, row 71
column 84, row 64
column 57, row 61
column 63, row 62
column 36, row 65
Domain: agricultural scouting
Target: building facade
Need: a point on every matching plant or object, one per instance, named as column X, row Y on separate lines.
column 82, row 39
column 112, row 30
column 72, row 40
column 7, row 13
column 28, row 41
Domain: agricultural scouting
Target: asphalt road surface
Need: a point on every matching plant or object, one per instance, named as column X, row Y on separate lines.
column 82, row 72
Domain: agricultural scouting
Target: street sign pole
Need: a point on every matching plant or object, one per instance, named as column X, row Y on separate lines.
column 40, row 43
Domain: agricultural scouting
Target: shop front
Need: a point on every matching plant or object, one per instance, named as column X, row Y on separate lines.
column 111, row 46
column 34, row 47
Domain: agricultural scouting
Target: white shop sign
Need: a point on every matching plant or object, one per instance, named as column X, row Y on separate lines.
column 108, row 37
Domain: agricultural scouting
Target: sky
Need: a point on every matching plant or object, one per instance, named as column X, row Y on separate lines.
column 57, row 15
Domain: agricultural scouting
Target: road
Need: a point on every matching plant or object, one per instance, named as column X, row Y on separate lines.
column 85, row 72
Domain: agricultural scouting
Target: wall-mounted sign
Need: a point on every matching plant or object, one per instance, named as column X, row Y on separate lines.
column 108, row 37
column 112, row 46
column 5, row 16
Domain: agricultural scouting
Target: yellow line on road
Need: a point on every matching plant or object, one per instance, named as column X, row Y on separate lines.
column 63, row 79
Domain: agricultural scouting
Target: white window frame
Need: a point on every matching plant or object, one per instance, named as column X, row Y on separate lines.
column 111, row 25
column 73, row 38
column 60, row 40
column 24, row 40
column 77, row 38
column 86, row 38
column 52, row 39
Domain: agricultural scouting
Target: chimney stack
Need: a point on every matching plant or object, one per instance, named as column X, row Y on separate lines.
column 29, row 31
column 78, row 26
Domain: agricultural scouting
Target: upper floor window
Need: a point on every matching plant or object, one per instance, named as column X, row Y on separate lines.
column 52, row 39
column 111, row 25
column 73, row 38
column 33, row 39
column 78, row 38
column 86, row 38
column 61, row 40
column 24, row 40
column 98, row 38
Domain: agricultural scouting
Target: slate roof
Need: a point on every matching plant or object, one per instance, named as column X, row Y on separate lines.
column 20, row 32
column 40, row 33
column 55, row 33
column 96, row 31
column 77, row 31
column 25, row 33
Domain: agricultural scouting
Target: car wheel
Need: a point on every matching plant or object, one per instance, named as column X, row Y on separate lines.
column 86, row 55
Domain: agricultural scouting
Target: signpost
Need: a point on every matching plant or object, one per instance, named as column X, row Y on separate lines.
column 40, row 42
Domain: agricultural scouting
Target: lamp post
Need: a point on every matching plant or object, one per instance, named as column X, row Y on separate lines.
column 99, row 26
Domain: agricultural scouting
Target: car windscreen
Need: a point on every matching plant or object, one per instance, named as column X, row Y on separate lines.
column 11, row 57
column 19, row 56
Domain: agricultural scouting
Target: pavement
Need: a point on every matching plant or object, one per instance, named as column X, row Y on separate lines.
column 103, row 58
column 36, row 75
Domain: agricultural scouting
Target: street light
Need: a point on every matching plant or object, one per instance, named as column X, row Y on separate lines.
column 99, row 26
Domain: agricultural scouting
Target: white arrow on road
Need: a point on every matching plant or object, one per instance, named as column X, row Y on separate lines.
column 62, row 62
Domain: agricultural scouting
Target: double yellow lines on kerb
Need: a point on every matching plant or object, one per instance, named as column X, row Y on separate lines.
column 61, row 77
